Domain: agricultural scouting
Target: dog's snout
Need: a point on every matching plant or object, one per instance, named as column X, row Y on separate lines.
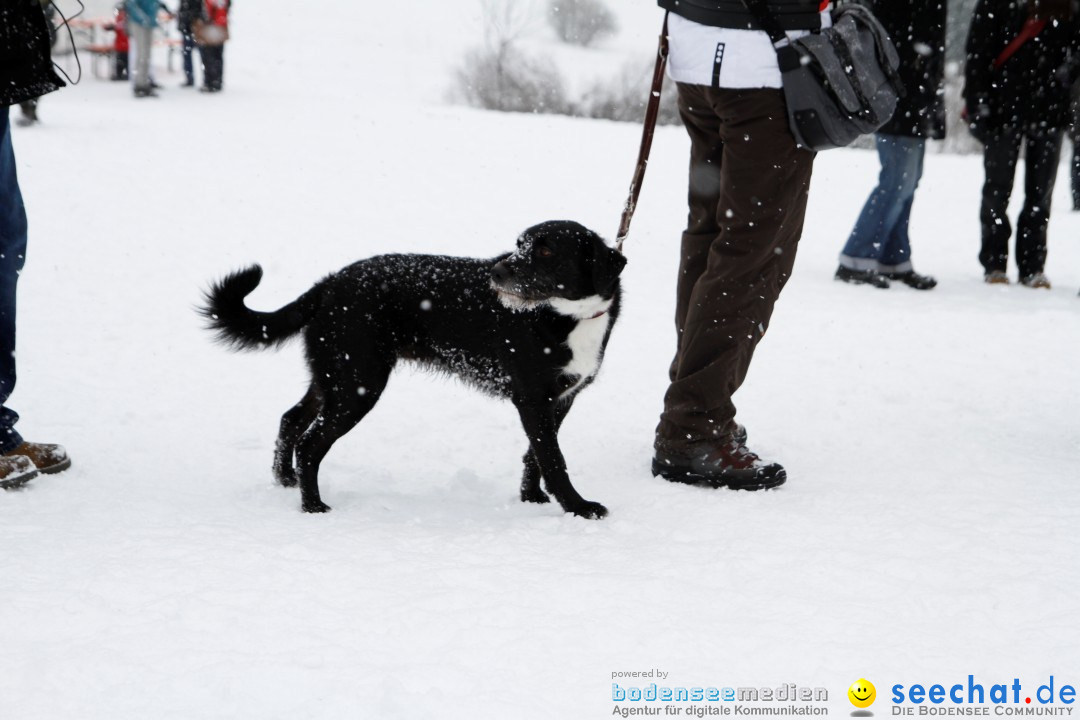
column 501, row 272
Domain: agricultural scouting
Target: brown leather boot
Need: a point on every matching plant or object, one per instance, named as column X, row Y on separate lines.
column 16, row 471
column 46, row 458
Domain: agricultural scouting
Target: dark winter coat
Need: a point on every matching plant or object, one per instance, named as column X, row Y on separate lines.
column 1031, row 89
column 189, row 11
column 26, row 69
column 917, row 28
column 792, row 14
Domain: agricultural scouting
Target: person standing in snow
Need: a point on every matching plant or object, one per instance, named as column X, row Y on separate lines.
column 188, row 12
column 212, row 30
column 121, row 43
column 879, row 249
column 1021, row 63
column 25, row 72
column 748, row 188
column 141, row 22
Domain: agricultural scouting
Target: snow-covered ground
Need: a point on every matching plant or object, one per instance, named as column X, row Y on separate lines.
column 928, row 530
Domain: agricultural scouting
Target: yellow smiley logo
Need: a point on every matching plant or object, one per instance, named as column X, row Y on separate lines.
column 862, row 693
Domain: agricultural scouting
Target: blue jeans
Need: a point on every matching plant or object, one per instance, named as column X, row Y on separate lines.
column 12, row 255
column 879, row 241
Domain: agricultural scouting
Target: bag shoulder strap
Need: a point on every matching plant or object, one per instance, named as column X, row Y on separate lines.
column 787, row 56
column 1032, row 27
column 764, row 17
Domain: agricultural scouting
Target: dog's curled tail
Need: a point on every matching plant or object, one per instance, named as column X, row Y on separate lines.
column 245, row 329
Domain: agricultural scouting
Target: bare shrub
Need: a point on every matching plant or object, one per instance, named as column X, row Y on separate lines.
column 581, row 22
column 625, row 96
column 506, row 79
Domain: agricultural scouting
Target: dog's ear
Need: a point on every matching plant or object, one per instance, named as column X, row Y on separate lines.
column 607, row 264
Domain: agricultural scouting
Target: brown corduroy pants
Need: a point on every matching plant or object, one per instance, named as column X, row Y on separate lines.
column 748, row 189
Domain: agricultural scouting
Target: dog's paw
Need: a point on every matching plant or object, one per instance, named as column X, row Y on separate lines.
column 286, row 480
column 534, row 495
column 317, row 506
column 590, row 510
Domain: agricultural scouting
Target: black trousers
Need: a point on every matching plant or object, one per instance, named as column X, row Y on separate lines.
column 120, row 66
column 1076, row 162
column 1074, row 135
column 748, row 189
column 213, row 60
column 1001, row 152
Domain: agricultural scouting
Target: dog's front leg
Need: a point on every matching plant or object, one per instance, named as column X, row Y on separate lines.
column 530, row 479
column 538, row 420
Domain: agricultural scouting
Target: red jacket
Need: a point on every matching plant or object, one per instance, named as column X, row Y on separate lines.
column 218, row 12
column 121, row 43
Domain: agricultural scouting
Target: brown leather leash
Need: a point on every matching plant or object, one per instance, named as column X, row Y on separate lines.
column 652, row 110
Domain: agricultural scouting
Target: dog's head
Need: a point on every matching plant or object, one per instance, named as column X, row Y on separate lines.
column 562, row 264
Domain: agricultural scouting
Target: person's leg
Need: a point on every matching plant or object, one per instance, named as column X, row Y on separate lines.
column 884, row 208
column 1074, row 135
column 1042, row 152
column 908, row 154
column 221, row 67
column 120, row 69
column 703, row 197
column 1000, row 154
column 764, row 180
column 1076, row 169
column 142, row 38
column 187, row 50
column 212, row 67
column 12, row 255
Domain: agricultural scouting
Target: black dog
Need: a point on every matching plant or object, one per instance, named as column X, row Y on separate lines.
column 529, row 326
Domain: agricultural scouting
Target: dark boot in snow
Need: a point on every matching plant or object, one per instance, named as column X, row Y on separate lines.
column 861, row 277
column 913, row 279
column 728, row 464
column 29, row 113
column 16, row 471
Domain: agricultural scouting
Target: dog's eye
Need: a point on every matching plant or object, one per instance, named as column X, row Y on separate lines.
column 544, row 252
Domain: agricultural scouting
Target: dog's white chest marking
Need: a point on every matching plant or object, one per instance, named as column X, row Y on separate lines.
column 587, row 339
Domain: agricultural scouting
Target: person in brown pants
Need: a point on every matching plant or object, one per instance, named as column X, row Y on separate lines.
column 748, row 189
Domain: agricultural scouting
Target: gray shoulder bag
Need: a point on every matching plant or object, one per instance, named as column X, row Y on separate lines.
column 840, row 82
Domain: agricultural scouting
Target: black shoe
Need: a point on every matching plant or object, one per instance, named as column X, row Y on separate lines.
column 145, row 92
column 730, row 464
column 861, row 277
column 913, row 279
